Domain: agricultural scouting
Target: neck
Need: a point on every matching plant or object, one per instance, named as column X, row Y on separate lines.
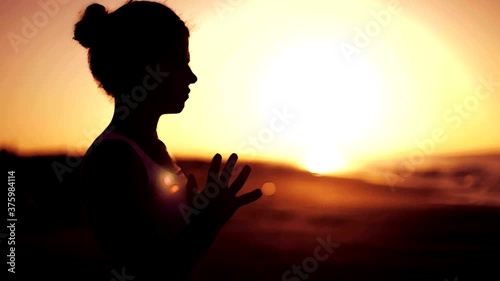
column 137, row 125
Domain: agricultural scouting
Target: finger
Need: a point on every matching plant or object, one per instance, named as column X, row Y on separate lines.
column 192, row 186
column 248, row 198
column 213, row 170
column 228, row 169
column 191, row 183
column 240, row 180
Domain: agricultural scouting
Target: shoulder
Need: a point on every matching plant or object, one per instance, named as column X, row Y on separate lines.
column 110, row 150
column 110, row 158
column 115, row 182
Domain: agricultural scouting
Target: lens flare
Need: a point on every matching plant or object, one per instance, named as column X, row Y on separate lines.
column 268, row 189
column 174, row 188
column 167, row 180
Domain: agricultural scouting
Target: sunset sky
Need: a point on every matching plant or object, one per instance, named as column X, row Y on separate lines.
column 322, row 84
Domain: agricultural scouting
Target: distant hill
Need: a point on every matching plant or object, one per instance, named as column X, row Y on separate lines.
column 478, row 172
column 47, row 186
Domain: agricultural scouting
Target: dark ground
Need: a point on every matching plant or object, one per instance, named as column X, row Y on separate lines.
column 409, row 234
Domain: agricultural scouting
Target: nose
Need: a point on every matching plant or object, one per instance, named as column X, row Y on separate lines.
column 192, row 76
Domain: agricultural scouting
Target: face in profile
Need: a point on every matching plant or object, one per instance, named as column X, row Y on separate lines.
column 172, row 93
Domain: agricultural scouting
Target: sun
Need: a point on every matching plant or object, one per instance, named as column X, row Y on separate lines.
column 337, row 103
column 321, row 163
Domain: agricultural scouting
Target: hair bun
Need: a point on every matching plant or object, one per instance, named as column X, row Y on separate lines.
column 90, row 29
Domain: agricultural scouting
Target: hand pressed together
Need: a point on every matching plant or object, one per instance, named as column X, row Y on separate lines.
column 222, row 198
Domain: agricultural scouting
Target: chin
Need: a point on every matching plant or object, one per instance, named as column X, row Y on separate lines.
column 174, row 110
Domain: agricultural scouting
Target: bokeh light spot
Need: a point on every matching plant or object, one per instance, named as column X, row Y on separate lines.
column 174, row 188
column 268, row 189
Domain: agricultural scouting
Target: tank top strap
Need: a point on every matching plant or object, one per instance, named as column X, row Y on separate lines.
column 169, row 187
column 154, row 170
column 146, row 160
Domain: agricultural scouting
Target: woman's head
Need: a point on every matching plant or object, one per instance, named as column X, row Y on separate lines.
column 138, row 53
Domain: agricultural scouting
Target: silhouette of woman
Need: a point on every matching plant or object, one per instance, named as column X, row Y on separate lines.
column 141, row 205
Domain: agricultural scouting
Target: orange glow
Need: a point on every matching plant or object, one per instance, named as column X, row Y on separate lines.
column 261, row 57
column 167, row 180
column 321, row 162
column 174, row 188
column 268, row 189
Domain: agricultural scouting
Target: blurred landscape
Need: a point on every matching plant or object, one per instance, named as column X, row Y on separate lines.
column 440, row 222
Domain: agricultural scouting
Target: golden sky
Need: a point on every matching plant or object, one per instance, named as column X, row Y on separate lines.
column 325, row 84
